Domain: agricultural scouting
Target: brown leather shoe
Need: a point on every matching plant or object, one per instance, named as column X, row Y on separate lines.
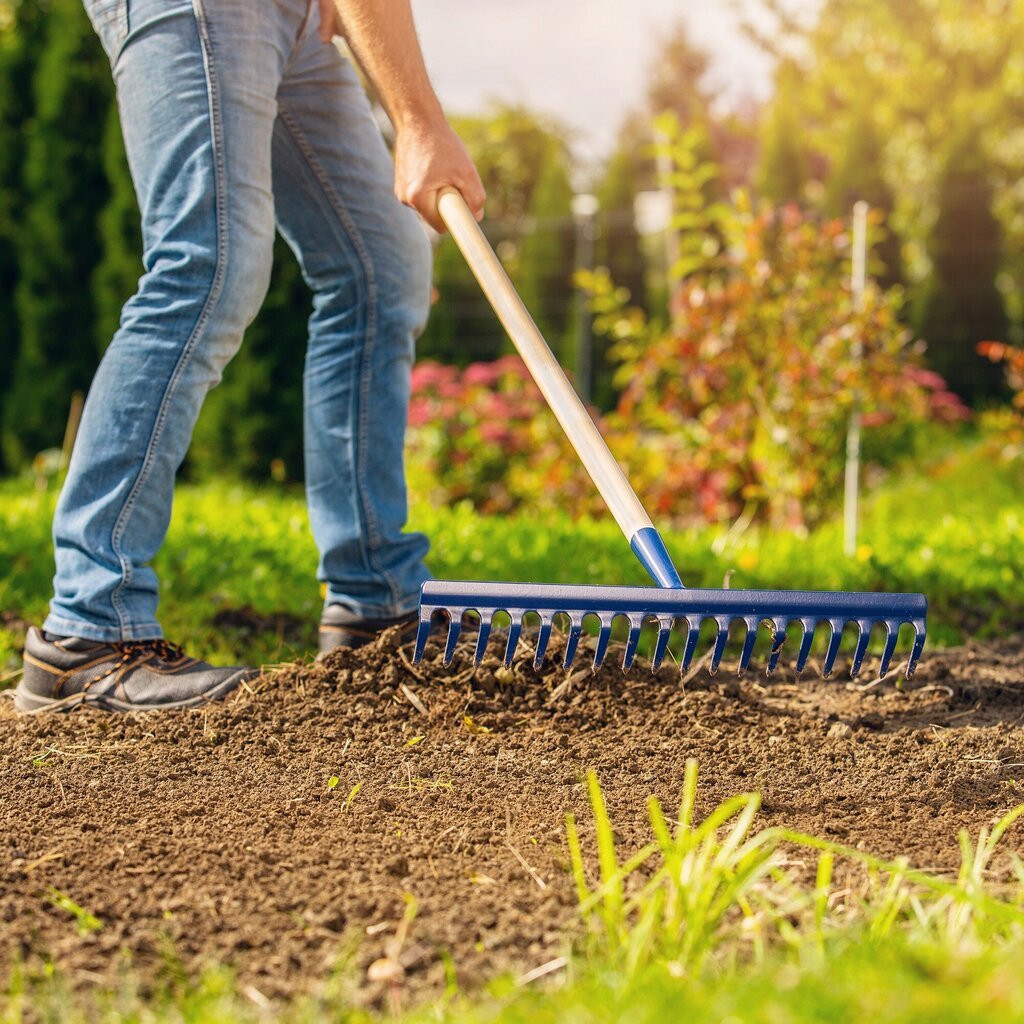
column 144, row 675
column 340, row 627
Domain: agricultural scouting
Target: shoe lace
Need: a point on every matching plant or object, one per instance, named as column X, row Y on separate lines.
column 163, row 649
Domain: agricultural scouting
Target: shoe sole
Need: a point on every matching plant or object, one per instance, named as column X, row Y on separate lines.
column 28, row 703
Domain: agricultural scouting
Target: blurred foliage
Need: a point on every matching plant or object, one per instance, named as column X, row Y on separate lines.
column 737, row 408
column 1007, row 425
column 486, row 436
column 524, row 162
column 61, row 187
column 511, row 146
column 914, row 107
column 21, row 41
column 784, row 168
column 961, row 304
column 740, row 406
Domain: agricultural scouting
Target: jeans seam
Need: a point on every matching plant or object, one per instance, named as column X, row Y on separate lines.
column 365, row 367
column 303, row 29
column 121, row 523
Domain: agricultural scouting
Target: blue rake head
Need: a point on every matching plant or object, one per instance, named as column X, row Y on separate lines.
column 665, row 607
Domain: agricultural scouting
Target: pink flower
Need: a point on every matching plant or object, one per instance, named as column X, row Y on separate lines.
column 484, row 374
column 495, row 433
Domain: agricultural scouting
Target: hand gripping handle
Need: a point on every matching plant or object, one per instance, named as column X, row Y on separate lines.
column 558, row 392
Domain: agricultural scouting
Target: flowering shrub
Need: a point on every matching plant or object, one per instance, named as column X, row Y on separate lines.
column 1008, row 424
column 744, row 399
column 485, row 435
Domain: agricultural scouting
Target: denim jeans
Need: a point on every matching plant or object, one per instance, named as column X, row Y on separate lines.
column 236, row 117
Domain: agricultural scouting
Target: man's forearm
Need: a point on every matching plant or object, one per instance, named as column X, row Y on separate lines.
column 382, row 36
column 429, row 156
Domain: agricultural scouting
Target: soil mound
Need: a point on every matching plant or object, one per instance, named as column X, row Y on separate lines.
column 296, row 825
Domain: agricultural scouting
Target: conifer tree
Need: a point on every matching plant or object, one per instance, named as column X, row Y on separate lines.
column 547, row 255
column 783, row 171
column 20, row 45
column 58, row 245
column 963, row 305
column 617, row 248
column 857, row 175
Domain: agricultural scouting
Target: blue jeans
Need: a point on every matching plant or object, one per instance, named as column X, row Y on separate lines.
column 236, row 117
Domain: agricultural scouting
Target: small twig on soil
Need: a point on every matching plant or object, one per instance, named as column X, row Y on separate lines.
column 410, row 668
column 540, row 972
column 412, row 699
column 252, row 693
column 964, row 714
column 947, row 690
column 891, row 674
column 257, row 998
column 529, row 870
column 698, row 665
column 463, row 676
column 566, row 684
column 46, row 857
column 13, row 674
column 439, row 837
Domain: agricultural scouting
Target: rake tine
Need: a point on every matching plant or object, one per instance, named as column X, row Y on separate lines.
column 779, row 627
column 915, row 654
column 575, row 630
column 454, row 628
column 748, row 644
column 891, row 637
column 636, row 624
column 543, row 637
column 805, row 643
column 833, row 646
column 720, row 641
column 661, row 647
column 691, row 643
column 602, row 640
column 514, row 630
column 862, row 647
column 422, row 635
column 481, row 639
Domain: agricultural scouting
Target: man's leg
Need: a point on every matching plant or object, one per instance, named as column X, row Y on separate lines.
column 196, row 85
column 367, row 259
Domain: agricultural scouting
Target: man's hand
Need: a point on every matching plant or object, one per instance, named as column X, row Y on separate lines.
column 428, row 155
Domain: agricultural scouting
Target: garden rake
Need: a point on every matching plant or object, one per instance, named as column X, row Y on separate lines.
column 668, row 603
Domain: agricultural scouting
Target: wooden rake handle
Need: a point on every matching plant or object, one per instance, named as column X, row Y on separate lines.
column 570, row 412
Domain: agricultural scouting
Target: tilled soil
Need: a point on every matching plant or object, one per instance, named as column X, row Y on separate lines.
column 293, row 827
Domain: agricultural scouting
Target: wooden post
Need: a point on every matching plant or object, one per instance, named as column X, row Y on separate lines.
column 851, row 491
column 71, row 429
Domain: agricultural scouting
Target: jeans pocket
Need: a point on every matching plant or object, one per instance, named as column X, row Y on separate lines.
column 110, row 20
